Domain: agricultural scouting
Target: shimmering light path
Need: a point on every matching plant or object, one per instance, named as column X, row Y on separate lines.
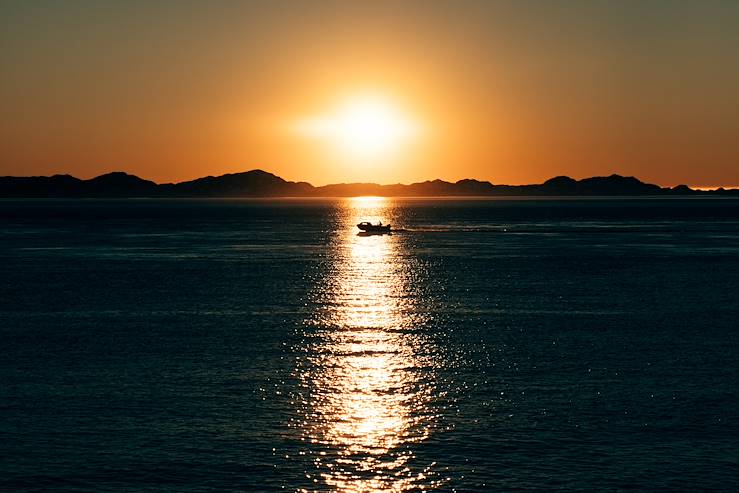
column 366, row 369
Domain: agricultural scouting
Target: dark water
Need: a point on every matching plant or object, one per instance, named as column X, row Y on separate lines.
column 499, row 345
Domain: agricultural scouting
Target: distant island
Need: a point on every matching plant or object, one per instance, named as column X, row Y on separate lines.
column 258, row 183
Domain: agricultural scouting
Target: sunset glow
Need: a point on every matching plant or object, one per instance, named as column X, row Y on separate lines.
column 326, row 92
column 361, row 128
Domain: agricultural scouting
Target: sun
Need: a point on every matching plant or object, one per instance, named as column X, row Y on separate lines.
column 368, row 127
column 362, row 127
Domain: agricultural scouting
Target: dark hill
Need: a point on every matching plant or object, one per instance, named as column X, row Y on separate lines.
column 40, row 186
column 615, row 185
column 119, row 184
column 255, row 183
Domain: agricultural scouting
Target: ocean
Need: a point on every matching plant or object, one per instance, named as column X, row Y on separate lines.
column 263, row 345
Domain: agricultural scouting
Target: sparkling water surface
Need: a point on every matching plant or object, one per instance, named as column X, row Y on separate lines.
column 263, row 345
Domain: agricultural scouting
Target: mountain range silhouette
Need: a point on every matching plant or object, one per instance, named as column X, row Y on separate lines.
column 259, row 183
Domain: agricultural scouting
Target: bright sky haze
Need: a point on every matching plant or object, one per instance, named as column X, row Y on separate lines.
column 326, row 92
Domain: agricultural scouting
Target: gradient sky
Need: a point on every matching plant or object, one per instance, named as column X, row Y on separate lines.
column 511, row 92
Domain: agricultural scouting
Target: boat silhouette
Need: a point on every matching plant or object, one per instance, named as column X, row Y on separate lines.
column 376, row 229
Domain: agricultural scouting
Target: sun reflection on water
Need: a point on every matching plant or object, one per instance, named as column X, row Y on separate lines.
column 366, row 370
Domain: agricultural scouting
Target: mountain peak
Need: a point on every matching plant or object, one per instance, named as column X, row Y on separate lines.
column 118, row 176
column 560, row 180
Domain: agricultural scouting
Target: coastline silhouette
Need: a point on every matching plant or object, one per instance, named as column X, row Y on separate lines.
column 259, row 183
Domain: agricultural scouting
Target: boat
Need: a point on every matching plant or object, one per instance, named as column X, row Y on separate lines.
column 369, row 228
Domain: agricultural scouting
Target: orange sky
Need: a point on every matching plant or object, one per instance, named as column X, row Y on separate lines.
column 511, row 92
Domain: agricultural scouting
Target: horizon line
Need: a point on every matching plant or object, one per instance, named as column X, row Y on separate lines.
column 702, row 188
